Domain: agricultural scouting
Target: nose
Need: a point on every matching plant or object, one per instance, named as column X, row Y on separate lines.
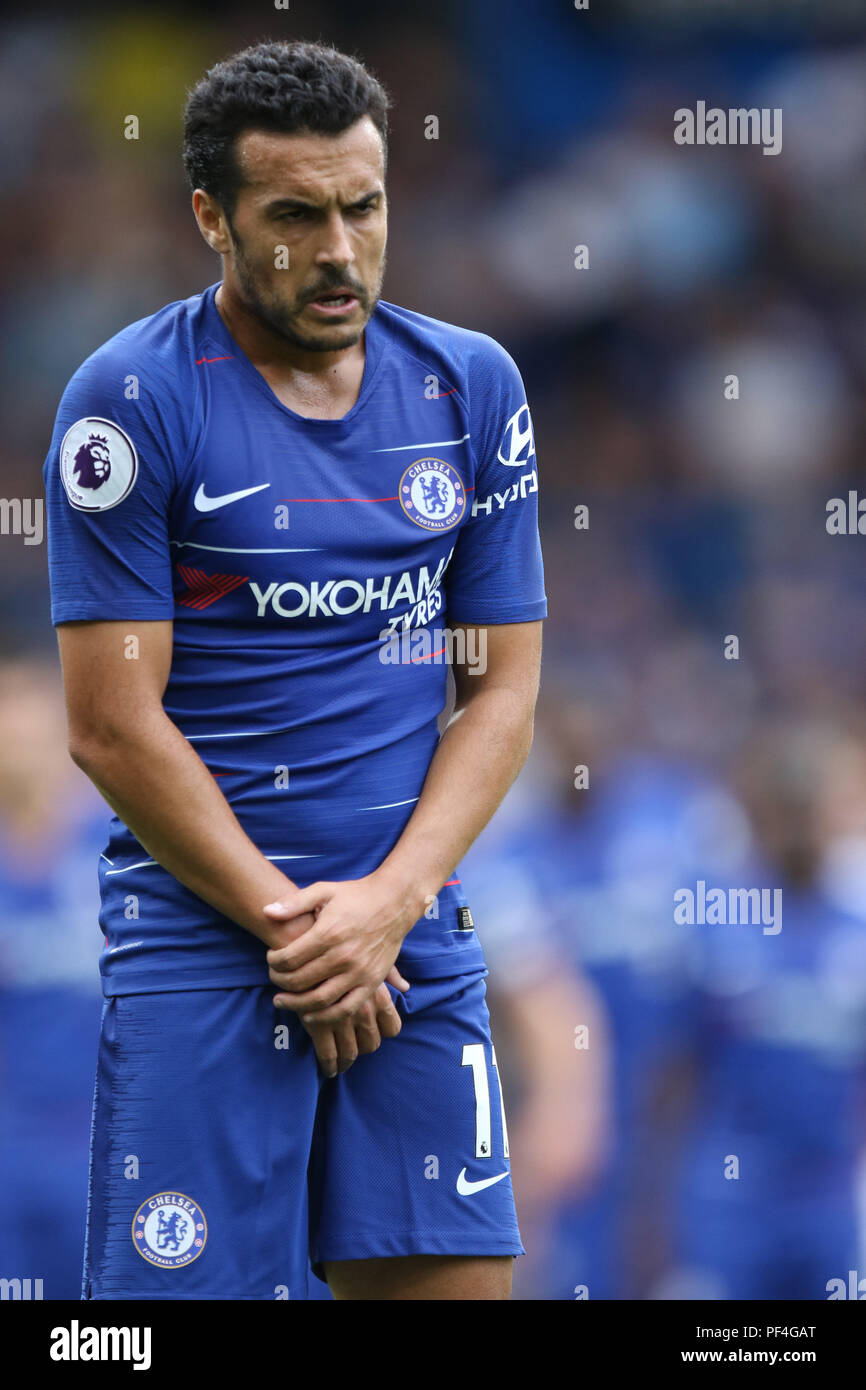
column 336, row 248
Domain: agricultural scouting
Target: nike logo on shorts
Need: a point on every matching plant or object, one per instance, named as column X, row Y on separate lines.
column 466, row 1188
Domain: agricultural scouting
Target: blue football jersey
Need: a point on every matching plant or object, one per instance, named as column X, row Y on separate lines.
column 310, row 568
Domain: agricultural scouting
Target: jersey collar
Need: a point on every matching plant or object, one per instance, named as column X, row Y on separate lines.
column 374, row 352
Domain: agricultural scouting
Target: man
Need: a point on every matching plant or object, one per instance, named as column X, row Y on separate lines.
column 51, row 830
column 247, row 493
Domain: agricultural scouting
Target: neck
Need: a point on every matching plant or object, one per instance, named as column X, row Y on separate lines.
column 266, row 348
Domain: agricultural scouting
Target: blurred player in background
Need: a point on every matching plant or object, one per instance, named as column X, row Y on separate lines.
column 51, row 829
column 779, row 1060
column 554, row 1036
column 603, row 859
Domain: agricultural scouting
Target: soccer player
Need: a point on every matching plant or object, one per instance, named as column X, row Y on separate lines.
column 50, row 836
column 271, row 507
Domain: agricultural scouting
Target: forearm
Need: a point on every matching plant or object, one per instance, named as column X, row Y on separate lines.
column 478, row 757
column 154, row 780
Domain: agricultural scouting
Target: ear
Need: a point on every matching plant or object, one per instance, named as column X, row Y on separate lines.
column 211, row 221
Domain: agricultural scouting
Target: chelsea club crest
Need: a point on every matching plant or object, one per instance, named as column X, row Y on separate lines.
column 169, row 1230
column 432, row 494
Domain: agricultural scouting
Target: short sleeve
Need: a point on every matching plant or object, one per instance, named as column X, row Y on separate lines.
column 496, row 573
column 109, row 481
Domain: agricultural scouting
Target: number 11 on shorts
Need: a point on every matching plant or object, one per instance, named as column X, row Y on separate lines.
column 473, row 1056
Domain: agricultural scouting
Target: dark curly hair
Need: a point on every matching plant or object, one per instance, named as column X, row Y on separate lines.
column 292, row 88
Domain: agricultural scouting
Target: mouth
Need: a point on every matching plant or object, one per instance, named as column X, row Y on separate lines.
column 334, row 304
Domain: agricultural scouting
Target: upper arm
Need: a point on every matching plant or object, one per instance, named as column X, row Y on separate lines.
column 113, row 675
column 502, row 655
column 496, row 573
column 110, row 475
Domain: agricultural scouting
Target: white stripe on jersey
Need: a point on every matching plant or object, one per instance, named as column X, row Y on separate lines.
column 437, row 444
column 239, row 550
column 386, row 806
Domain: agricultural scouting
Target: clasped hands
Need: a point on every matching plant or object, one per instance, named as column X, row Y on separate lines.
column 340, row 944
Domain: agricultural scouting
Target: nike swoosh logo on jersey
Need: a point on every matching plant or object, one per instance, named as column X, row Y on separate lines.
column 466, row 1188
column 203, row 503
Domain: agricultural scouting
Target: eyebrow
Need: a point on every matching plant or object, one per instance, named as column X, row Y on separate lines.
column 301, row 205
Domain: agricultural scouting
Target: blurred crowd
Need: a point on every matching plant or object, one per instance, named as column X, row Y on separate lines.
column 686, row 1101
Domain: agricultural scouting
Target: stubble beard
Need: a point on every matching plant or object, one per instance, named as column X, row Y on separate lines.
column 282, row 320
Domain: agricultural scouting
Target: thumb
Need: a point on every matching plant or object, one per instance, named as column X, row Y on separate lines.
column 294, row 904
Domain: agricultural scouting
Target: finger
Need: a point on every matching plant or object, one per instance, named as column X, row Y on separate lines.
column 367, row 1034
column 298, row 900
column 344, row 1009
column 397, row 980
column 284, row 933
column 296, row 926
column 308, row 946
column 325, row 996
column 347, row 1045
column 388, row 1019
column 301, row 900
column 330, row 965
column 325, row 1043
column 358, row 1008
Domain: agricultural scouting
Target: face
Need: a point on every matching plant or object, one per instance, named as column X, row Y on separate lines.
column 309, row 225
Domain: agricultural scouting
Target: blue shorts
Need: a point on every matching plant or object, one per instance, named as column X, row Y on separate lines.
column 223, row 1164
